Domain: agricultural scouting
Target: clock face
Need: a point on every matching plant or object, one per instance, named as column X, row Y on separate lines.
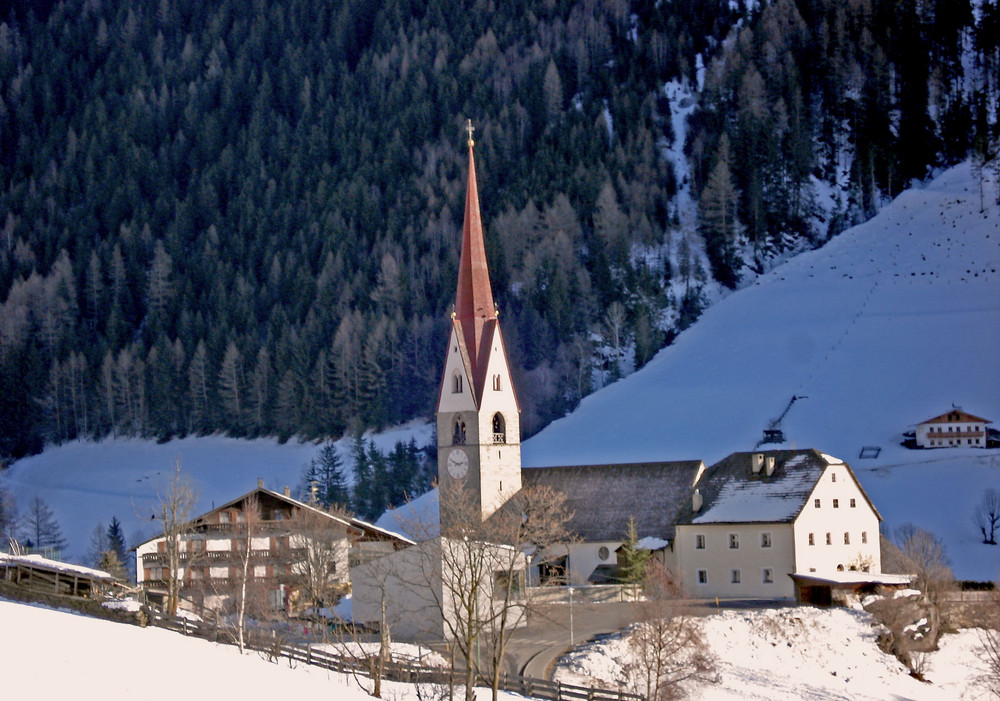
column 458, row 463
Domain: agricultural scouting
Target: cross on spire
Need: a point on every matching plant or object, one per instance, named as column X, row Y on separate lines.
column 469, row 128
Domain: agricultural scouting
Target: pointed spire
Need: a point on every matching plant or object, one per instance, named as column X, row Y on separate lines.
column 474, row 297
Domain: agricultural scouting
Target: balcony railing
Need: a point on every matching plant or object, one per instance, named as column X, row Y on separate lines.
column 499, row 437
column 261, row 527
column 256, row 554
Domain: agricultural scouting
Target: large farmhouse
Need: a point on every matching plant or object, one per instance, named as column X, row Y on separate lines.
column 953, row 429
column 744, row 527
column 285, row 542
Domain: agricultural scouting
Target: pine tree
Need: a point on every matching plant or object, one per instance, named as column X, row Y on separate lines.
column 41, row 529
column 325, row 474
column 116, row 541
column 631, row 559
column 363, row 494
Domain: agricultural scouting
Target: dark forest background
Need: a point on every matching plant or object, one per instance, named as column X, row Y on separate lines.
column 243, row 216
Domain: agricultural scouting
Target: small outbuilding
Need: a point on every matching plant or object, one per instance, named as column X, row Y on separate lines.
column 44, row 576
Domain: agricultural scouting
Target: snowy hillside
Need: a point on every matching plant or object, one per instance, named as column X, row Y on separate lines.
column 799, row 653
column 153, row 664
column 886, row 326
column 87, row 483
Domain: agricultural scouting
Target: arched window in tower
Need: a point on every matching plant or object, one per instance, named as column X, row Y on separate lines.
column 459, row 437
column 456, row 384
column 496, row 383
column 499, row 428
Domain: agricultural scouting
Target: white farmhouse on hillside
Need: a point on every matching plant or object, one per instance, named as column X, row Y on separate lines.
column 755, row 519
column 956, row 428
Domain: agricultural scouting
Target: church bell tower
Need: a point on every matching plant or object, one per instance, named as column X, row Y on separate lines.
column 478, row 417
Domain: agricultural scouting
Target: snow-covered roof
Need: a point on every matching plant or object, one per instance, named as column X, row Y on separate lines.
column 857, row 577
column 733, row 493
column 39, row 562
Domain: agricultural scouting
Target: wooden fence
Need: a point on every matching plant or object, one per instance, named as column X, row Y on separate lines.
column 275, row 648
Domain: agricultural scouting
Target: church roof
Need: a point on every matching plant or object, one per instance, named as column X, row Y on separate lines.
column 475, row 312
column 603, row 498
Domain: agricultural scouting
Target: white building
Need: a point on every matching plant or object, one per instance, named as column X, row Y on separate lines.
column 954, row 429
column 755, row 519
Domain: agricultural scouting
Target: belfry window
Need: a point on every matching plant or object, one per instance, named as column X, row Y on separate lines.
column 456, row 384
column 499, row 428
column 459, row 437
column 496, row 383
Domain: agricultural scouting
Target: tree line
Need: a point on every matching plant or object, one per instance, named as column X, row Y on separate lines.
column 244, row 218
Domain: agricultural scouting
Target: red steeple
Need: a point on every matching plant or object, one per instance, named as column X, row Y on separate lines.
column 474, row 297
column 475, row 312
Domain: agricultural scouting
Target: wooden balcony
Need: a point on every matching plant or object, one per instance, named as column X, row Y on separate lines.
column 208, row 556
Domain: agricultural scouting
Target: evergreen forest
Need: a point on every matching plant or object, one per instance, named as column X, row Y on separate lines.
column 243, row 216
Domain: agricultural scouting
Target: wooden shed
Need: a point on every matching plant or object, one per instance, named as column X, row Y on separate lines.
column 46, row 576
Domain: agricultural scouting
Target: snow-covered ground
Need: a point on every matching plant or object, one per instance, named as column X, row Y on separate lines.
column 800, row 653
column 793, row 654
column 49, row 654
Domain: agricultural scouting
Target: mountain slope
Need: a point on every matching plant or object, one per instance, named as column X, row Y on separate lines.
column 885, row 326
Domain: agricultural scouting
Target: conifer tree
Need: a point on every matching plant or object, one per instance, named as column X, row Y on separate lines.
column 41, row 529
column 116, row 541
column 325, row 473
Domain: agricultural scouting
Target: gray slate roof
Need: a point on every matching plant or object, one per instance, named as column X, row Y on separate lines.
column 604, row 497
column 732, row 493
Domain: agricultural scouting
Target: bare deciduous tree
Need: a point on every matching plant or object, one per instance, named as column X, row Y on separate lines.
column 320, row 540
column 668, row 648
column 987, row 515
column 925, row 554
column 176, row 501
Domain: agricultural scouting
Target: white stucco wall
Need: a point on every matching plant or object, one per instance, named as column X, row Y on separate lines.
column 836, row 515
column 718, row 560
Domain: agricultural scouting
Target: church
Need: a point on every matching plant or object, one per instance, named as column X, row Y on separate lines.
column 743, row 528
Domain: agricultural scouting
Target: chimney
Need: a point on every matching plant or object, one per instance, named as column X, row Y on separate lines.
column 758, row 462
column 769, row 465
column 288, row 491
column 696, row 500
column 260, row 483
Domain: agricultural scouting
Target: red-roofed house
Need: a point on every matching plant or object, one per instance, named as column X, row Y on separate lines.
column 956, row 428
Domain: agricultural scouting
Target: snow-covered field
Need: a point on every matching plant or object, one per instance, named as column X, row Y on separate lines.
column 793, row 653
column 801, row 653
column 50, row 654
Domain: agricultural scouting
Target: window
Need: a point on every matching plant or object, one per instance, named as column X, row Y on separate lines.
column 456, row 384
column 734, row 541
column 603, row 552
column 847, row 538
column 499, row 428
column 829, row 541
column 864, row 536
column 496, row 383
column 812, row 539
column 734, row 576
column 699, row 541
column 768, row 576
column 836, row 503
column 223, row 517
column 702, row 576
column 816, row 503
column 765, row 540
column 833, row 477
column 854, row 503
column 459, row 437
